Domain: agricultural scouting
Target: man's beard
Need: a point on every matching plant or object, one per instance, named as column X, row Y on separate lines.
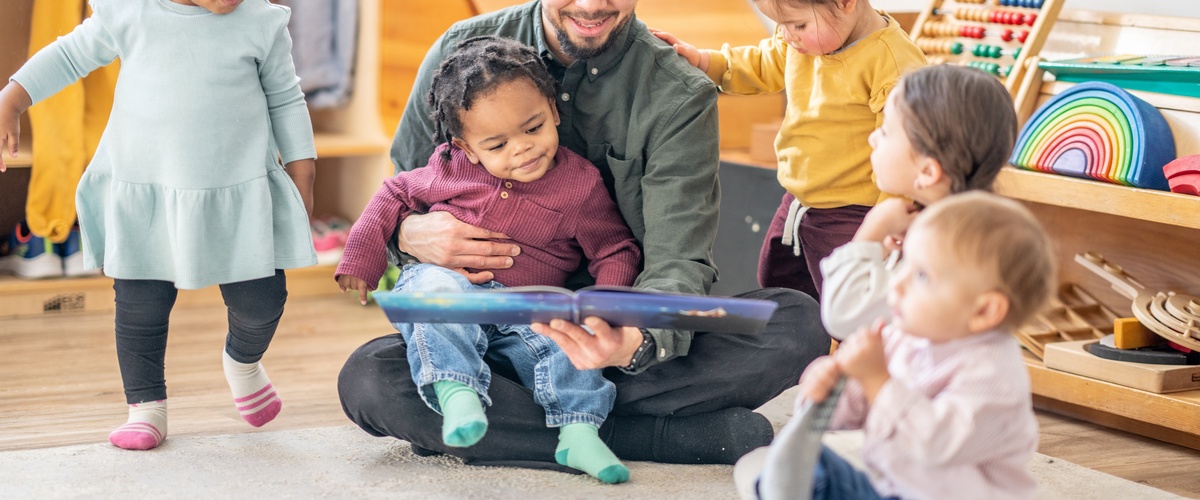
column 578, row 52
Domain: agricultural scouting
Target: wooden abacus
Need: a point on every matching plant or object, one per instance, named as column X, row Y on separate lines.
column 950, row 32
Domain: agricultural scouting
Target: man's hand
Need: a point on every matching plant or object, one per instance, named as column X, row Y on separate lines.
column 861, row 357
column 347, row 282
column 694, row 56
column 887, row 223
column 605, row 346
column 440, row 238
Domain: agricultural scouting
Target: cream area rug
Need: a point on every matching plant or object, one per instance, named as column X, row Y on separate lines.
column 344, row 462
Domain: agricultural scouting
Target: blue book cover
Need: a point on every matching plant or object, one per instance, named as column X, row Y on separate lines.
column 617, row 306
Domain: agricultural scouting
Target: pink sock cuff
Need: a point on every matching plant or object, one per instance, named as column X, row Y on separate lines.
column 252, row 396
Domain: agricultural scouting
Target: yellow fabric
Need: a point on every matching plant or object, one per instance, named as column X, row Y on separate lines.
column 66, row 127
column 834, row 103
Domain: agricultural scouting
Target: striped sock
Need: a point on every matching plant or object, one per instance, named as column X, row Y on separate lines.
column 253, row 393
column 145, row 429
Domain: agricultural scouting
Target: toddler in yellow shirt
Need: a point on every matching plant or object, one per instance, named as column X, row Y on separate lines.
column 836, row 60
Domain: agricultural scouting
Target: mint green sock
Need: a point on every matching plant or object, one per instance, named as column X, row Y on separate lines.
column 580, row 447
column 463, row 421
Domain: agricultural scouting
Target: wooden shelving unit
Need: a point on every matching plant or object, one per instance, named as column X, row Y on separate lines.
column 1153, row 235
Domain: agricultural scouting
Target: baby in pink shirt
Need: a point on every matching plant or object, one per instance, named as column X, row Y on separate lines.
column 941, row 392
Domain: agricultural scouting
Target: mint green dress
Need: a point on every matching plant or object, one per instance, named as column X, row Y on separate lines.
column 187, row 184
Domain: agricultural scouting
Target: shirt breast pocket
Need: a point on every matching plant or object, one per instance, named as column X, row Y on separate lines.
column 533, row 224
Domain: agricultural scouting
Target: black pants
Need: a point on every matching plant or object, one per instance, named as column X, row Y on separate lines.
column 720, row 371
column 144, row 308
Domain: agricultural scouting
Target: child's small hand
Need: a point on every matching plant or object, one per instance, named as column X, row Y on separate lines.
column 861, row 357
column 818, row 379
column 347, row 282
column 694, row 56
column 887, row 222
column 14, row 100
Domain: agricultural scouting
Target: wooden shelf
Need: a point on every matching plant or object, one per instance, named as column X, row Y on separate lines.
column 335, row 145
column 1094, row 196
column 1167, row 417
column 25, row 298
column 24, row 157
column 741, row 156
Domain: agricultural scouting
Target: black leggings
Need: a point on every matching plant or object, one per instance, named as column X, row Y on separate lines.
column 143, row 313
column 720, row 371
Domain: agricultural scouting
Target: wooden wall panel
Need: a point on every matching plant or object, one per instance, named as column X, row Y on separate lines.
column 703, row 23
column 408, row 28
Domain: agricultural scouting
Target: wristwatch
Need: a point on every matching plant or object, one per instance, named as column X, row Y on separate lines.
column 643, row 354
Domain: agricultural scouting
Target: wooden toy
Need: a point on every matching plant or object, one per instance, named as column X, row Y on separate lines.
column 1073, row 357
column 1158, row 354
column 1183, row 175
column 1177, row 75
column 1073, row 314
column 1096, row 130
column 1128, row 333
column 948, row 31
column 1180, row 324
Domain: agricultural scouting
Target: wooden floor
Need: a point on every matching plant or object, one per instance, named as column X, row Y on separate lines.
column 59, row 385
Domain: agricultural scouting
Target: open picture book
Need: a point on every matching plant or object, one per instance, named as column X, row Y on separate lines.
column 617, row 306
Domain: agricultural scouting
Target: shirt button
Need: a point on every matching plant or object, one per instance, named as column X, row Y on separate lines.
column 508, row 185
column 504, row 194
column 594, row 71
column 566, row 96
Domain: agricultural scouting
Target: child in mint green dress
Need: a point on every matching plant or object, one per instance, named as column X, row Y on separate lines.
column 202, row 177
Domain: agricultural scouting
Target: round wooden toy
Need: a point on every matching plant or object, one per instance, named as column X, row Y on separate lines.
column 1149, row 309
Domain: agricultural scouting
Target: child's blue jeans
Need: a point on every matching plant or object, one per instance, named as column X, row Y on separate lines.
column 451, row 351
column 835, row 479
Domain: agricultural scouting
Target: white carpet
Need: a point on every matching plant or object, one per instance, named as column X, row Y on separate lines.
column 344, row 462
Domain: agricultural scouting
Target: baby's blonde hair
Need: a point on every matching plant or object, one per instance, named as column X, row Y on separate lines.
column 1003, row 241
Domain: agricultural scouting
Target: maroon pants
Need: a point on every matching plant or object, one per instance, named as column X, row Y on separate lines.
column 821, row 231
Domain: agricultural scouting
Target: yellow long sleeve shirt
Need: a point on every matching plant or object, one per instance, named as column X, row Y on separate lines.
column 834, row 103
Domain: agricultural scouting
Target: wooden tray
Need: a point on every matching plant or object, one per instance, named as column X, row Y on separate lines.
column 1074, row 314
column 1072, row 357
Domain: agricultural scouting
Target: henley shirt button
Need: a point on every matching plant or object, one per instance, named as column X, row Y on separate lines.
column 594, row 71
column 508, row 185
column 566, row 96
column 504, row 194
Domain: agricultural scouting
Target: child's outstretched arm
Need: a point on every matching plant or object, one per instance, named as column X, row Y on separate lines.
column 303, row 174
column 694, row 56
column 14, row 100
